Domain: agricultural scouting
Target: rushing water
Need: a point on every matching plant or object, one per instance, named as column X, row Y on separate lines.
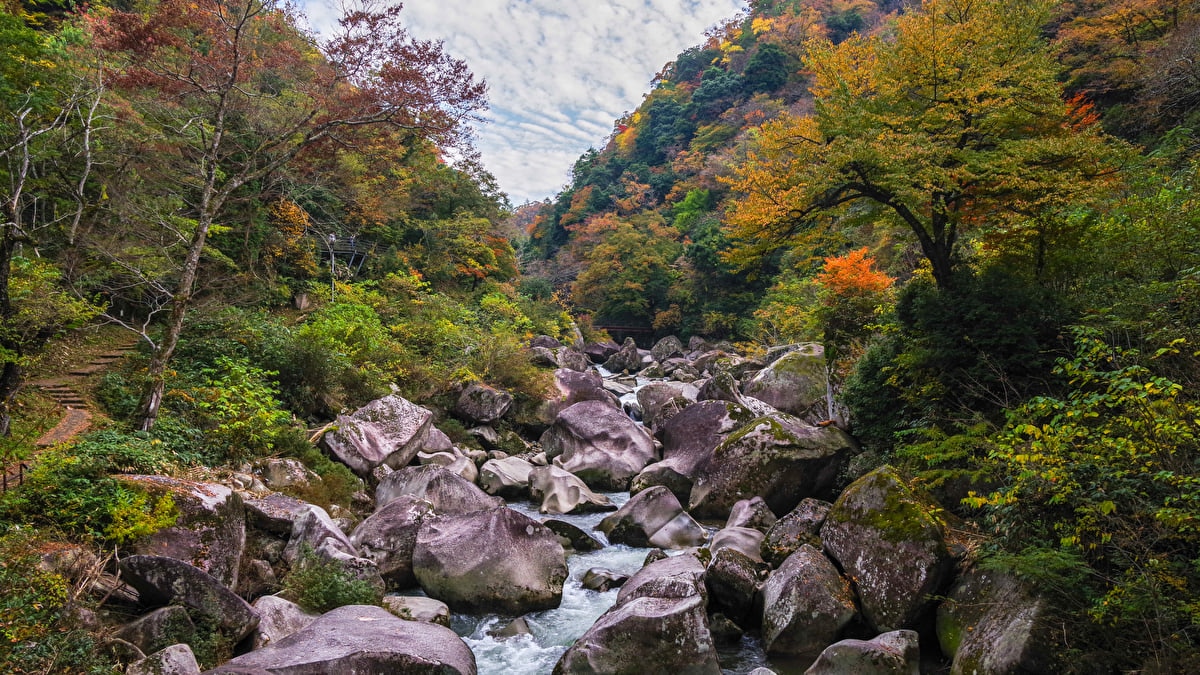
column 551, row 631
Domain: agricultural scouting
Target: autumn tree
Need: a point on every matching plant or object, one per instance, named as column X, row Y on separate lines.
column 235, row 91
column 40, row 96
column 955, row 125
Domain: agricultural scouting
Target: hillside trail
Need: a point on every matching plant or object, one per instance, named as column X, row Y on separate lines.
column 67, row 391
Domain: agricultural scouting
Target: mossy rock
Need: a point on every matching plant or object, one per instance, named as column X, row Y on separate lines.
column 891, row 543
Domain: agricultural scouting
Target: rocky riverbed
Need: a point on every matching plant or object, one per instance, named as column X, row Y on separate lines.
column 680, row 509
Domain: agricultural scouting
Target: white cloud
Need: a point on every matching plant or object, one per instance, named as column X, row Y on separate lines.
column 559, row 71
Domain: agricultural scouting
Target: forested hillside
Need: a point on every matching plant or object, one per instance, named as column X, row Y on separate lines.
column 986, row 212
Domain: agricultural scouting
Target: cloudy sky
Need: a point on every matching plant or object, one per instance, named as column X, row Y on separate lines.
column 559, row 71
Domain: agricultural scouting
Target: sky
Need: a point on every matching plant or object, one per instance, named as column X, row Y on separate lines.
column 559, row 72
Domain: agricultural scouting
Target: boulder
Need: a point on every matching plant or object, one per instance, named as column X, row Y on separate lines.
column 573, row 359
column 993, row 623
column 645, row 635
column 666, row 348
column 744, row 540
column 796, row 383
column 275, row 513
column 602, row 580
column 572, row 537
column 561, row 491
column 627, row 359
column 571, row 387
column 508, row 477
column 653, row 517
column 447, row 491
column 806, row 605
column 490, row 561
column 666, row 474
column 437, row 441
column 312, row 530
column 481, row 404
column 279, row 618
column 210, row 532
column 891, row 543
column 723, row 387
column 174, row 660
column 388, row 431
column 387, row 538
column 689, row 438
column 894, row 653
column 360, row 639
column 453, row 461
column 752, row 512
column 801, row 525
column 417, row 608
column 158, row 629
column 778, row 458
column 660, row 401
column 732, row 580
column 164, row 581
column 543, row 357
column 599, row 444
column 281, row 472
column 680, row 576
column 598, row 352
column 544, row 341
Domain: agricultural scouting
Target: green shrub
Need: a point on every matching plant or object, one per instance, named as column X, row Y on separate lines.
column 322, row 585
column 236, row 406
column 70, row 488
column 1107, row 471
column 37, row 632
column 338, row 483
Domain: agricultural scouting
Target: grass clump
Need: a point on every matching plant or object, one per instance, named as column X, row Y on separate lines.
column 320, row 585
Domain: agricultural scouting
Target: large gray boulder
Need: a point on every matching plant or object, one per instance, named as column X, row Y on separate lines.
column 571, row 387
column 210, row 532
column 802, row 525
column 481, row 404
column 653, row 517
column 447, row 491
column 680, row 576
column 490, row 561
column 806, row 605
column 279, row 618
column 573, row 359
column 388, row 431
column 778, row 458
column 599, row 444
column 993, row 623
column 746, row 540
column 732, row 580
column 753, row 513
column 660, row 401
column 508, row 477
column 666, row 348
column 275, row 513
column 646, row 635
column 360, row 639
column 690, row 437
column 894, row 653
column 796, row 383
column 162, row 581
column 157, row 630
column 627, row 359
column 387, row 538
column 561, row 491
column 723, row 387
column 891, row 543
column 311, row 532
